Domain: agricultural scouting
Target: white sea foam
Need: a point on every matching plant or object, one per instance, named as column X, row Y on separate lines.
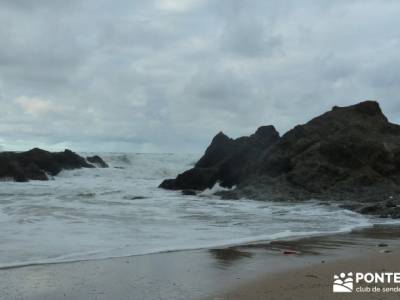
column 119, row 211
column 216, row 188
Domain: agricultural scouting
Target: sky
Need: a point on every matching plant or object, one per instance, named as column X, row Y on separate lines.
column 167, row 75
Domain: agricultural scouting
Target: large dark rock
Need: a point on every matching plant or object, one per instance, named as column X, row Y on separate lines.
column 193, row 179
column 226, row 160
column 37, row 164
column 347, row 148
column 347, row 154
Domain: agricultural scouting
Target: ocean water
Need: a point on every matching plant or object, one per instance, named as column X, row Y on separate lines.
column 99, row 213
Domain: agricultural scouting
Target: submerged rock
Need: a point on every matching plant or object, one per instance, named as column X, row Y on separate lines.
column 37, row 164
column 349, row 153
column 127, row 197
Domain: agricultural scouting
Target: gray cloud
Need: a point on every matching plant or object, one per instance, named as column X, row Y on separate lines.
column 166, row 75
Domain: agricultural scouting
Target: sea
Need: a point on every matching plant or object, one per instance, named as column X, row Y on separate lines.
column 119, row 211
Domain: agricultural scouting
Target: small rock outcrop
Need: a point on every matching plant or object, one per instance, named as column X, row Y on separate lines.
column 349, row 154
column 37, row 164
column 97, row 161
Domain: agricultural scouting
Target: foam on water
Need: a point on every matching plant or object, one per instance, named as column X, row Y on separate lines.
column 119, row 211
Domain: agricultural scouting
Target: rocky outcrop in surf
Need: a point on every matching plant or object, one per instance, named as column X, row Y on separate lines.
column 349, row 154
column 37, row 164
column 97, row 161
column 225, row 160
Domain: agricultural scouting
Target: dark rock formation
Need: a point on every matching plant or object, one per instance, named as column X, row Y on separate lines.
column 35, row 164
column 193, row 179
column 349, row 149
column 348, row 154
column 225, row 160
column 97, row 161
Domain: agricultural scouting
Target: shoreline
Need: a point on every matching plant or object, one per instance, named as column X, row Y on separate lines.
column 192, row 274
column 242, row 243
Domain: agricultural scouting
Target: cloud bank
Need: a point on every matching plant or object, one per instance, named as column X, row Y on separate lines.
column 166, row 75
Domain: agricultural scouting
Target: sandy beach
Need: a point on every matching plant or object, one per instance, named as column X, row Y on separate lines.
column 315, row 281
column 256, row 271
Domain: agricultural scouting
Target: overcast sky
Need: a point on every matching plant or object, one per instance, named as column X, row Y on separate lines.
column 167, row 75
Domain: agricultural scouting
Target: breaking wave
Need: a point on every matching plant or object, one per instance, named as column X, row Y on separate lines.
column 119, row 211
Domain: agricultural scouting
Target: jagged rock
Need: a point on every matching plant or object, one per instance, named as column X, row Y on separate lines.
column 32, row 171
column 346, row 148
column 225, row 161
column 36, row 163
column 97, row 161
column 347, row 154
column 169, row 184
column 193, row 179
column 11, row 170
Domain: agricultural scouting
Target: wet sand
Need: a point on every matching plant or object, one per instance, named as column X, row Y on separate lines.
column 315, row 281
column 241, row 272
